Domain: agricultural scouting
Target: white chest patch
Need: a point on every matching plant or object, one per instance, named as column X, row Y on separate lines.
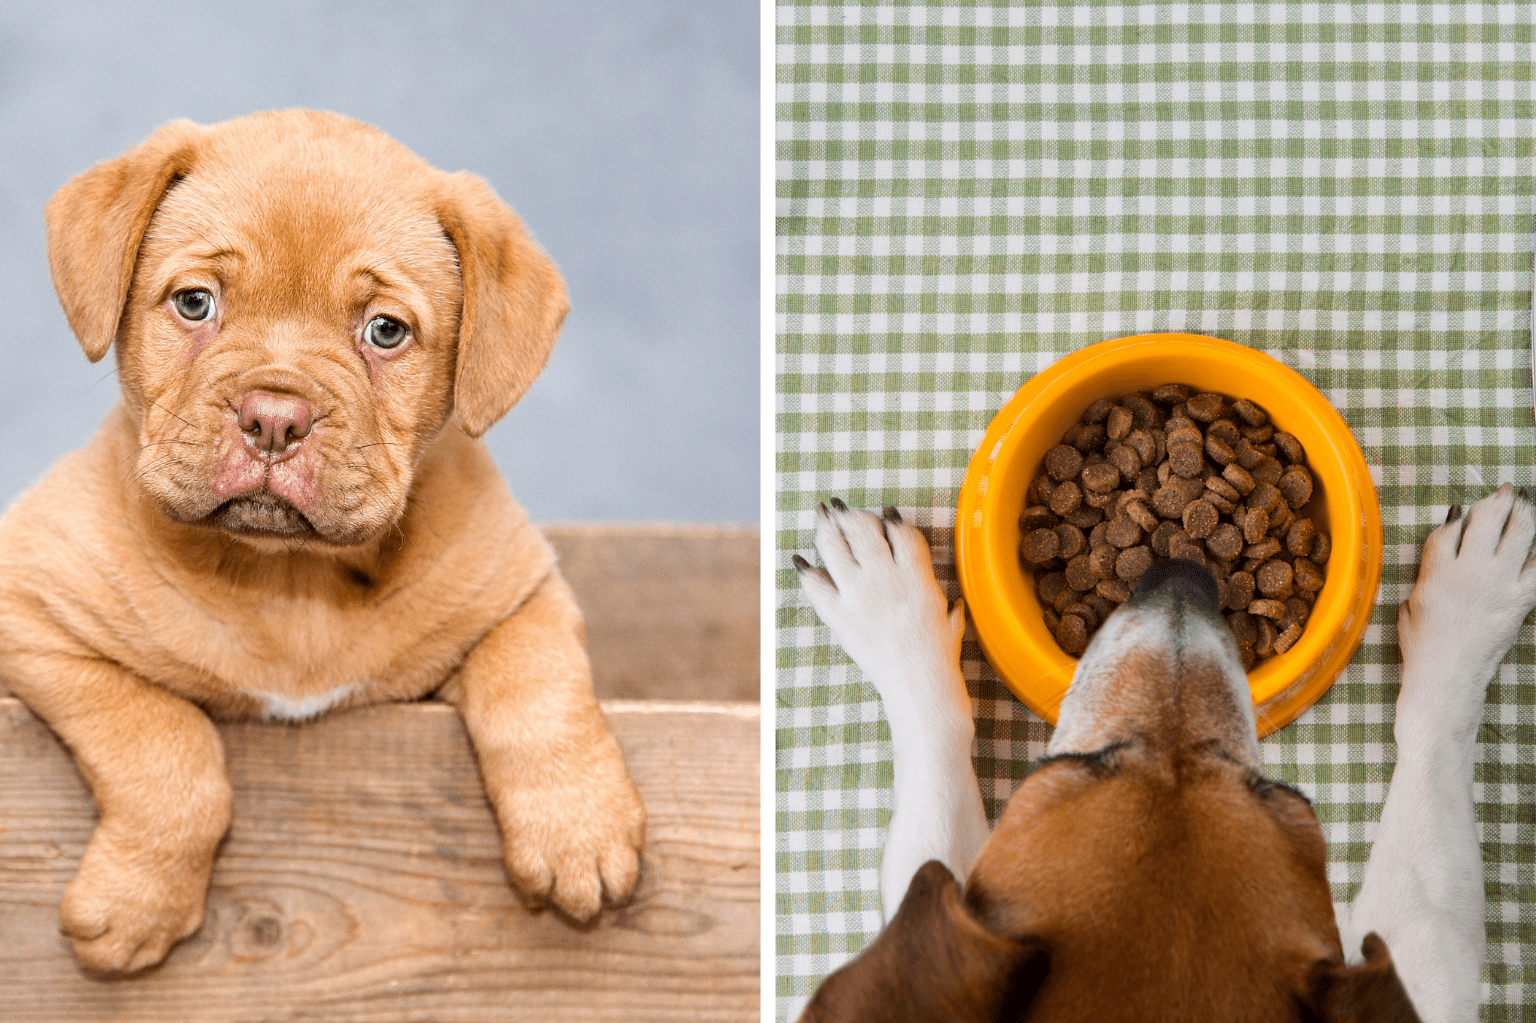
column 286, row 708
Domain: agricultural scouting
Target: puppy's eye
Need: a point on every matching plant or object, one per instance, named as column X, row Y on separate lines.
column 195, row 304
column 383, row 332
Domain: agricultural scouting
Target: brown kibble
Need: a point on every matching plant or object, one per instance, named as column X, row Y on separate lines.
column 1266, row 608
column 1067, row 596
column 1205, row 407
column 1049, row 585
column 1043, row 485
column 1199, row 519
column 1123, row 532
column 1219, row 485
column 1267, row 471
column 1247, row 455
column 1321, row 548
column 1037, row 517
column 1249, row 413
column 1066, row 498
column 1274, row 579
column 1063, row 462
column 1085, row 517
column 1190, row 437
column 1296, row 485
column 1243, row 628
column 1083, row 611
column 1224, row 430
column 1266, row 641
column 1225, row 541
column 1239, row 479
column 1219, row 451
column 1125, row 458
column 1280, row 519
column 1040, row 545
column 1072, row 634
column 1139, row 514
column 1052, row 619
column 1287, row 638
column 1248, row 657
column 1185, row 459
column 1218, row 502
column 1164, row 471
column 1264, row 549
column 1088, row 438
column 1146, row 480
column 1309, row 578
column 1118, row 426
column 1169, row 502
column 1100, row 606
column 1098, row 411
column 1180, row 545
column 1255, row 525
column 1290, row 448
column 1171, row 394
column 1101, row 478
column 1298, row 610
column 1266, row 497
column 1299, row 538
column 1241, row 587
column 1096, row 535
column 1160, row 537
column 1073, row 542
column 1132, row 562
column 1080, row 575
column 1093, row 499
column 1260, row 434
column 1141, row 442
column 1101, row 559
column 1144, row 414
column 1114, row 590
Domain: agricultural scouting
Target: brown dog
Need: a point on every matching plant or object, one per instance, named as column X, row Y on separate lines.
column 289, row 513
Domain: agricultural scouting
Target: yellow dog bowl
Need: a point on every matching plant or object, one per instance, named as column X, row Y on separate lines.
column 1000, row 593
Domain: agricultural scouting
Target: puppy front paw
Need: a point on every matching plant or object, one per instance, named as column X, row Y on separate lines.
column 879, row 597
column 124, row 910
column 573, row 843
column 1475, row 587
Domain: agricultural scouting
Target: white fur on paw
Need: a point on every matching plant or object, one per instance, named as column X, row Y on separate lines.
column 1476, row 585
column 879, row 597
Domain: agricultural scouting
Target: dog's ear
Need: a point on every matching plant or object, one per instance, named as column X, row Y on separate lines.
column 514, row 302
column 1369, row 992
column 934, row 960
column 96, row 222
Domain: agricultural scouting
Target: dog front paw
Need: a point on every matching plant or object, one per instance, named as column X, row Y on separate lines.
column 573, row 844
column 1475, row 587
column 879, row 597
column 124, row 909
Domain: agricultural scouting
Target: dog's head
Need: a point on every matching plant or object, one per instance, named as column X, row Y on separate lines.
column 299, row 305
column 1145, row 870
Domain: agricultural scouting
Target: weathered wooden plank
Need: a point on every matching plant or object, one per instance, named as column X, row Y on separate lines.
column 671, row 609
column 361, row 881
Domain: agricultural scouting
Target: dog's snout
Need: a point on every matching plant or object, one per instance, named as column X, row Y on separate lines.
column 275, row 422
column 1190, row 579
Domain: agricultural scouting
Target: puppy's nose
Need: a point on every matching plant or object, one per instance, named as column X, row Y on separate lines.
column 275, row 422
column 1188, row 579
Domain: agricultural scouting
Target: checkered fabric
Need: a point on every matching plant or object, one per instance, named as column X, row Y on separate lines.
column 967, row 192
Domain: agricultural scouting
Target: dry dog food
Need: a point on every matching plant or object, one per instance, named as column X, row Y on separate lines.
column 1175, row 473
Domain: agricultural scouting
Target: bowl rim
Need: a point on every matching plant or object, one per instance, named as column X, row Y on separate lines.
column 1021, row 650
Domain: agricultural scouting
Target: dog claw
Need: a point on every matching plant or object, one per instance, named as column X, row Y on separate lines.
column 1453, row 513
column 890, row 514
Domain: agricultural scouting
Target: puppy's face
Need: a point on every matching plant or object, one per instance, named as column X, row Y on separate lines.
column 307, row 302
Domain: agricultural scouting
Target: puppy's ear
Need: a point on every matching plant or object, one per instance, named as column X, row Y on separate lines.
column 95, row 224
column 934, row 960
column 514, row 303
column 1367, row 993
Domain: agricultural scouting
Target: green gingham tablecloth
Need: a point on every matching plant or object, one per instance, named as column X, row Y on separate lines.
column 966, row 193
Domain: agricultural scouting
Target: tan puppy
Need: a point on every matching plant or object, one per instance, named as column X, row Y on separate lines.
column 288, row 512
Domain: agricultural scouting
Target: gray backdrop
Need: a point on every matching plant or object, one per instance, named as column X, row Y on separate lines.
column 624, row 133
